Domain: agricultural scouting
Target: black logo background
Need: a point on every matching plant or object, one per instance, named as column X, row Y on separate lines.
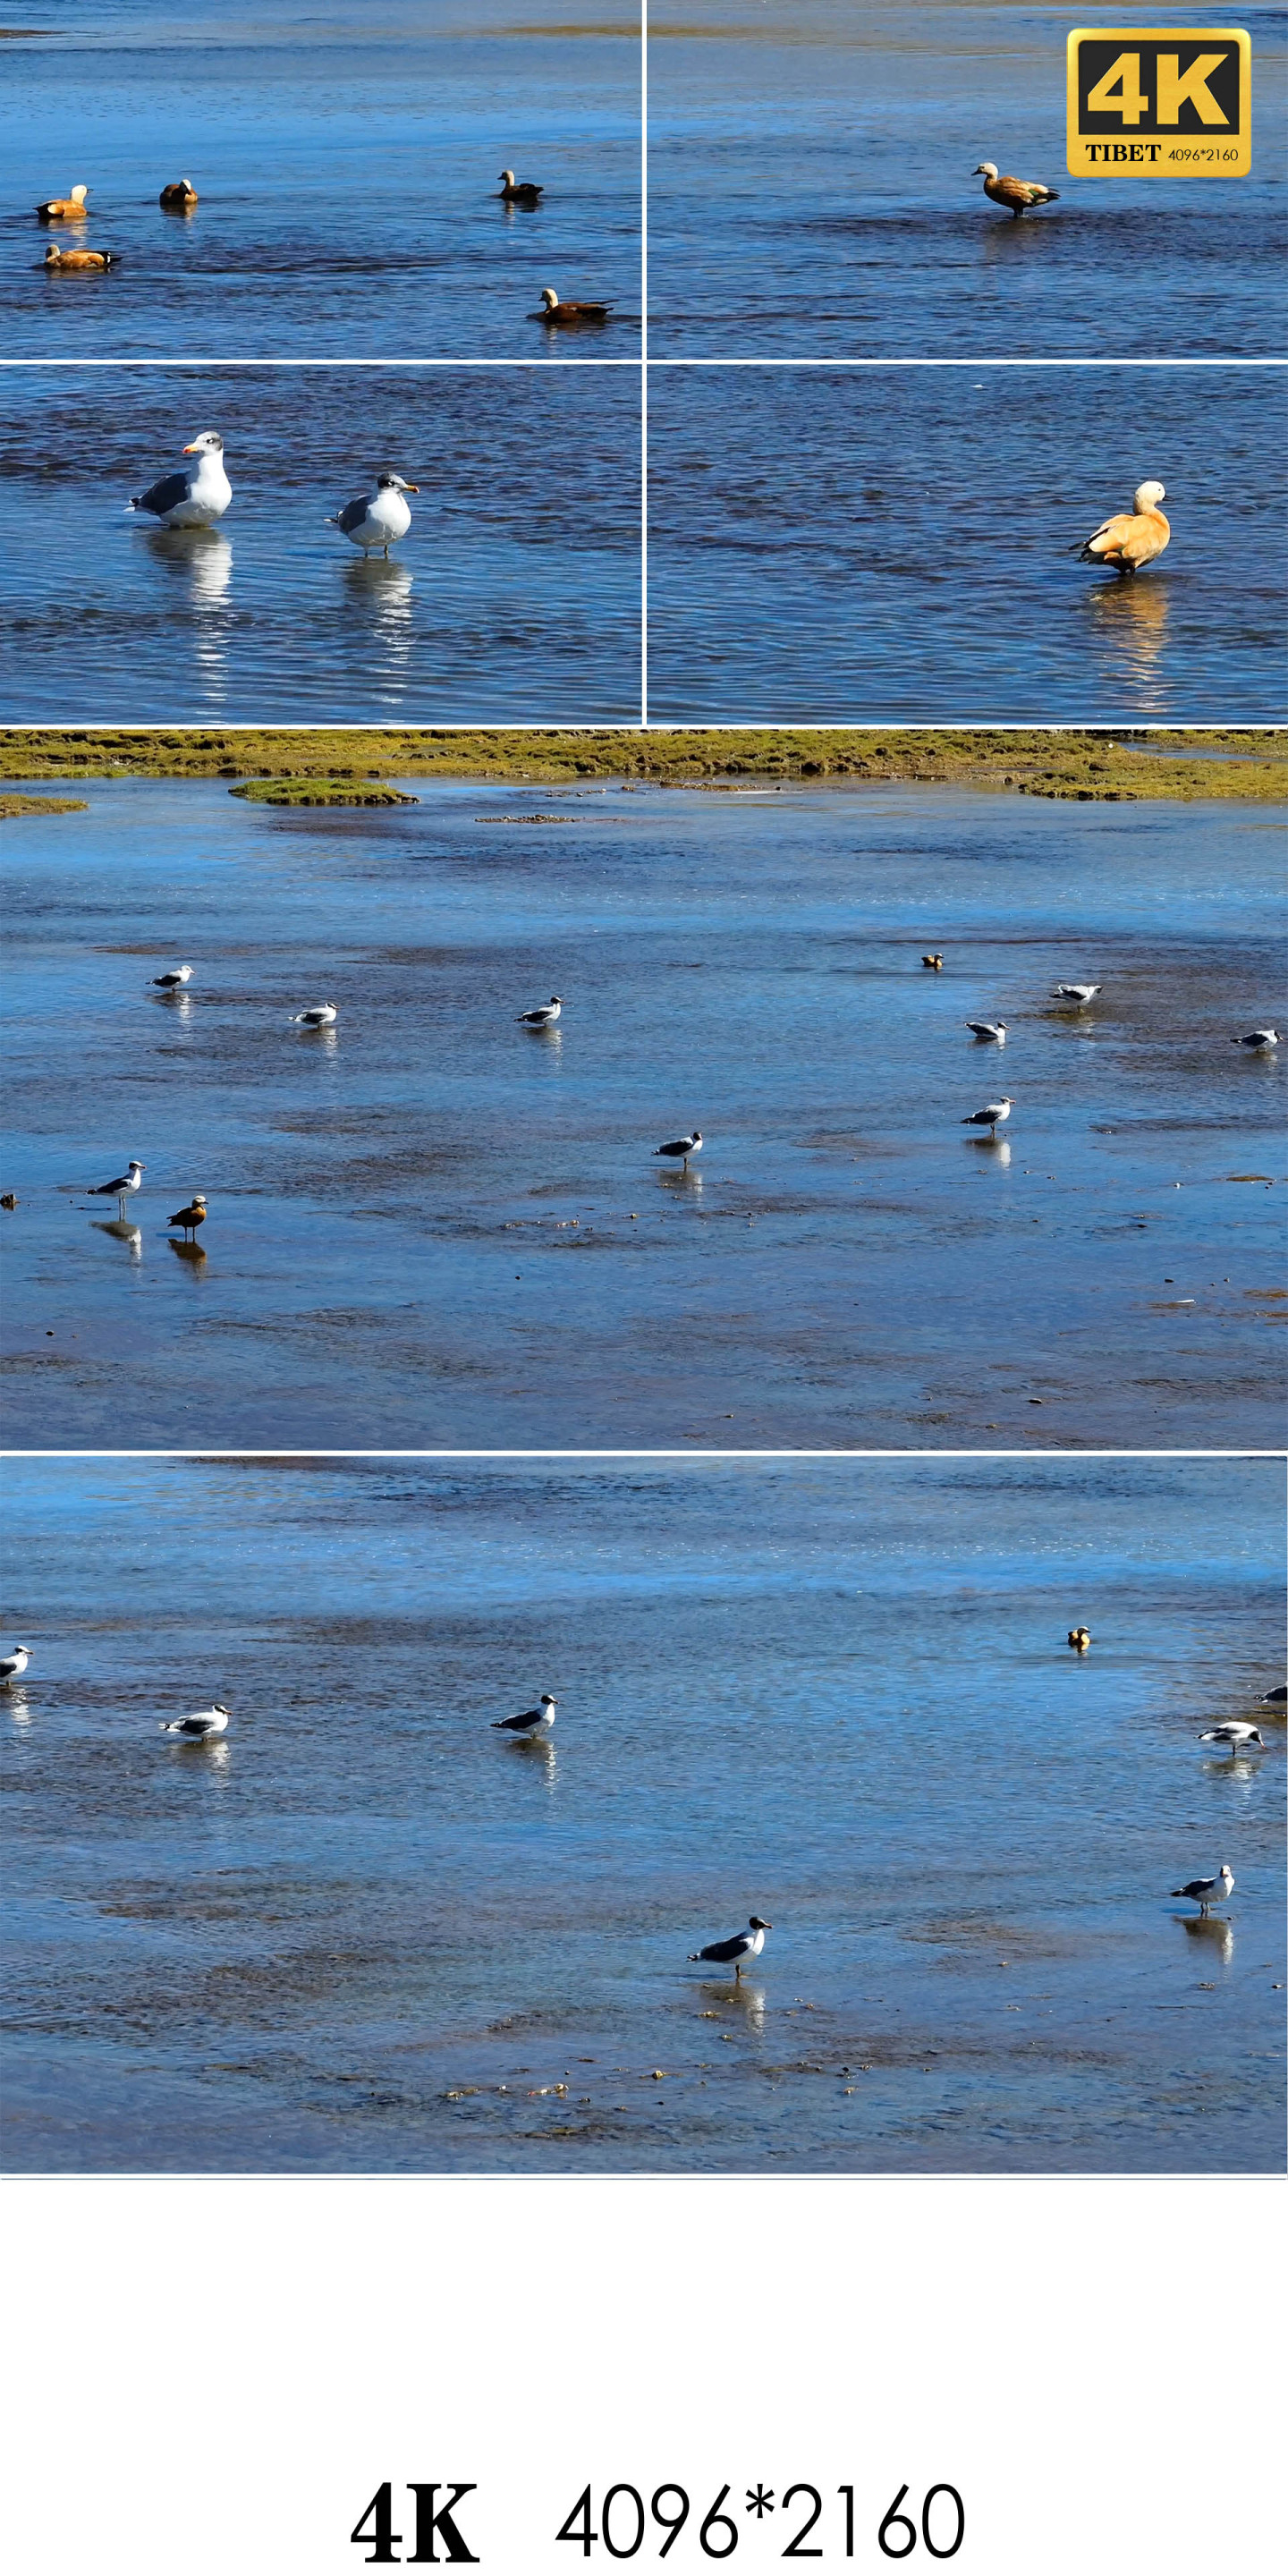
column 1096, row 57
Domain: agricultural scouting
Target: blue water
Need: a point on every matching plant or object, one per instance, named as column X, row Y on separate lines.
column 365, row 1932
column 811, row 193
column 514, row 597
column 432, row 1228
column 346, row 164
column 901, row 544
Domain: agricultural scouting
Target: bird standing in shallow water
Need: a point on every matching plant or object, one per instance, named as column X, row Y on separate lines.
column 732, row 1953
column 680, row 1148
column 994, row 1030
column 376, row 520
column 1079, row 993
column 544, row 1016
column 1132, row 538
column 992, row 1115
column 1258, row 1041
column 120, row 1189
column 1017, row 195
column 203, row 1722
column 12, row 1667
column 192, row 1216
column 530, row 1721
column 322, row 1016
column 1208, row 1892
column 192, row 497
column 173, row 980
column 1235, row 1734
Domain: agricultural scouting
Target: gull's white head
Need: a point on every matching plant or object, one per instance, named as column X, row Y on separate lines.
column 549, row 298
column 209, row 443
column 1148, row 496
column 985, row 170
column 395, row 483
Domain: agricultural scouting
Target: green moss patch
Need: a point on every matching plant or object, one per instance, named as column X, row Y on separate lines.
column 12, row 806
column 318, row 791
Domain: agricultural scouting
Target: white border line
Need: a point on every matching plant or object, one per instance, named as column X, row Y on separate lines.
column 702, row 1457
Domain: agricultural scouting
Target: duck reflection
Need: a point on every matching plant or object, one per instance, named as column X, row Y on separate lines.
column 1214, row 1935
column 124, row 1232
column 1129, row 629
column 193, row 1253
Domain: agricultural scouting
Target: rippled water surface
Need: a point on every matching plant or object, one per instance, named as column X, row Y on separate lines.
column 430, row 1227
column 811, row 193
column 346, row 165
column 514, row 596
column 902, row 544
column 365, row 1931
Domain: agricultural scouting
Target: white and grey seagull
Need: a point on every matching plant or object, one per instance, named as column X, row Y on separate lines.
column 12, row 1667
column 993, row 1115
column 680, row 1149
column 1079, row 993
column 544, row 1016
column 743, row 1945
column 196, row 495
column 321, row 1015
column 1276, row 1698
column 994, row 1029
column 530, row 1721
column 1208, row 1892
column 202, row 1723
column 173, row 980
column 1234, row 1733
column 376, row 520
column 120, row 1189
column 1258, row 1041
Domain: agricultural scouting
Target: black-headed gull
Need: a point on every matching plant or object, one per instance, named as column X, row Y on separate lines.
column 992, row 1115
column 1235, row 1734
column 743, row 1945
column 12, row 1667
column 544, row 1016
column 120, row 1189
column 994, row 1029
column 680, row 1149
column 203, row 1722
column 530, row 1721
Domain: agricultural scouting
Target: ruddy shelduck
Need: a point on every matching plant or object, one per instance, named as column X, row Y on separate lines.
column 1016, row 194
column 56, row 258
column 64, row 210
column 178, row 196
column 1134, row 537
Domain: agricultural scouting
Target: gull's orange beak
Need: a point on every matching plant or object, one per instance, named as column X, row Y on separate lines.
column 412, row 487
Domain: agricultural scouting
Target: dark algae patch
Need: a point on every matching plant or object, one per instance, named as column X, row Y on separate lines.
column 348, row 768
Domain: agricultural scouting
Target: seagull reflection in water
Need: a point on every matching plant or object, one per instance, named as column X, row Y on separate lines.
column 738, row 2001
column 1214, row 1933
column 687, row 1183
column 379, row 589
column 540, row 1750
column 16, row 1704
column 997, row 1148
column 124, row 1232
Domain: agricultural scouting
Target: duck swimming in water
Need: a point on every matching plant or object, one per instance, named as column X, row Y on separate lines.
column 519, row 192
column 178, row 197
column 64, row 210
column 552, row 310
column 56, row 258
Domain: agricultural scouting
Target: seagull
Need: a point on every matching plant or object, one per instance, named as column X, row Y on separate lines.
column 680, row 1148
column 173, row 979
column 1018, row 194
column 744, row 1945
column 1079, row 993
column 12, row 1667
column 992, row 1116
column 531, row 1721
column 1236, row 1735
column 121, row 1189
column 1133, row 537
column 321, row 1016
column 203, row 1722
column 1276, row 1698
column 177, row 196
column 1208, row 1892
column 64, row 210
column 553, row 311
column 1258, row 1041
column 376, row 520
column 192, row 1216
column 994, row 1029
column 519, row 192
column 543, row 1017
column 194, row 497
column 1080, row 1639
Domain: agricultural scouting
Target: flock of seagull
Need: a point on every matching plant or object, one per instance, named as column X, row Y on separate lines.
column 678, row 1150
column 203, row 1725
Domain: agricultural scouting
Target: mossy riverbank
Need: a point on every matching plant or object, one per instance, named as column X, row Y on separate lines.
column 331, row 767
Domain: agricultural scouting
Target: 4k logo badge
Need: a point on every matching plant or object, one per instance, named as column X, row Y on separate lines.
column 1172, row 101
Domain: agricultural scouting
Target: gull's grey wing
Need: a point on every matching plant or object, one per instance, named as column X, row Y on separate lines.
column 353, row 513
column 163, row 495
